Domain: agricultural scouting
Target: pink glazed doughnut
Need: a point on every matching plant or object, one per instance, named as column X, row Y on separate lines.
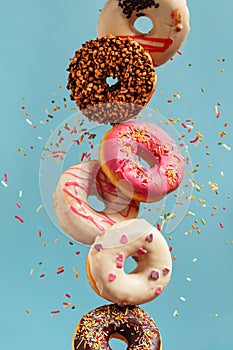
column 118, row 154
column 170, row 19
column 75, row 215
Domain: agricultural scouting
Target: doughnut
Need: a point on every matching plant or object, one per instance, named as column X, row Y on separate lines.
column 170, row 19
column 75, row 215
column 122, row 59
column 118, row 152
column 107, row 255
column 131, row 324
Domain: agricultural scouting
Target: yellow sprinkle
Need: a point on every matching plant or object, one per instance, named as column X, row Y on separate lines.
column 203, row 221
column 199, row 134
column 31, row 272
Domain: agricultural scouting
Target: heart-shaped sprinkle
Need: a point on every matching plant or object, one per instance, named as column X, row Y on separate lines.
column 98, row 247
column 154, row 275
column 119, row 265
column 120, row 257
column 135, row 258
column 111, row 277
column 141, row 251
column 124, row 239
column 159, row 290
column 166, row 271
column 150, row 237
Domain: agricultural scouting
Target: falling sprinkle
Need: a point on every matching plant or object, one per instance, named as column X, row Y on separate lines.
column 182, row 299
column 221, row 225
column 39, row 208
column 31, row 272
column 188, row 279
column 76, row 274
column 194, row 260
column 55, row 312
column 20, row 194
column 19, row 218
column 175, row 313
column 29, row 121
column 27, row 311
column 4, row 184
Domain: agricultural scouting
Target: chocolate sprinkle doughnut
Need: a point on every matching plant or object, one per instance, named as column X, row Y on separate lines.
column 129, row 6
column 130, row 324
column 114, row 57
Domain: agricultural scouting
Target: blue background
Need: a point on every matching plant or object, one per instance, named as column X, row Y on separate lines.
column 37, row 38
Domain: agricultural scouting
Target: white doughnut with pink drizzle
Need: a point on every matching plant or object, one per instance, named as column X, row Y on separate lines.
column 106, row 258
column 170, row 20
column 118, row 154
column 75, row 215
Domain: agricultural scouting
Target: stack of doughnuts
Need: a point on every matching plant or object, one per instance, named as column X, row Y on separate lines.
column 118, row 177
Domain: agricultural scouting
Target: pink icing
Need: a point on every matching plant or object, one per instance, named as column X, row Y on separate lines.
column 150, row 142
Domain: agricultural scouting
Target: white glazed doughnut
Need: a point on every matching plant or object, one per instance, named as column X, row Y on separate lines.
column 105, row 263
column 75, row 215
column 170, row 20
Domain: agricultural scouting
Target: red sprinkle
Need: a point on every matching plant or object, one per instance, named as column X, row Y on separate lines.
column 218, row 114
column 5, row 177
column 77, row 253
column 19, row 218
column 195, row 140
column 18, row 205
column 184, row 125
column 55, row 312
column 221, row 225
column 67, row 295
column 170, row 249
column 60, row 271
column 159, row 227
column 42, row 275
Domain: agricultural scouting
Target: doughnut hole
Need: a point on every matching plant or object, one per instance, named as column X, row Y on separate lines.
column 96, row 203
column 129, row 265
column 143, row 24
column 145, row 158
column 116, row 343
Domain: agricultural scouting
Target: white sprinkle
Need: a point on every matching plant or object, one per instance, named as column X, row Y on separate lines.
column 29, row 121
column 194, row 260
column 182, row 299
column 56, row 240
column 188, row 279
column 175, row 313
column 20, row 194
column 42, row 122
column 221, row 173
column 40, row 137
column 4, row 184
column 186, row 233
column 228, row 148
column 31, row 272
column 190, row 213
column 216, row 110
column 203, row 205
column 39, row 208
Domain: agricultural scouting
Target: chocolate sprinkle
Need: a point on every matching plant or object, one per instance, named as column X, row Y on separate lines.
column 114, row 57
column 129, row 6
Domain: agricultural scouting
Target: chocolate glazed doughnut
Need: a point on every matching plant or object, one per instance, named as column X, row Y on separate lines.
column 130, row 324
column 121, row 59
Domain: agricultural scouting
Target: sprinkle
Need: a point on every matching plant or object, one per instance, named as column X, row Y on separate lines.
column 67, row 295
column 159, row 290
column 111, row 277
column 166, row 271
column 98, row 247
column 120, row 258
column 76, row 274
column 31, row 272
column 60, row 271
column 55, row 312
column 221, row 225
column 182, row 299
column 78, row 252
column 154, row 275
column 42, row 275
column 203, row 221
column 228, row 148
column 4, row 184
column 124, row 239
column 29, row 121
column 195, row 140
column 149, row 238
column 39, row 208
column 19, row 218
column 20, row 194
column 216, row 315
column 27, row 311
column 175, row 313
column 194, row 260
column 188, row 279
column 141, row 251
column 39, row 233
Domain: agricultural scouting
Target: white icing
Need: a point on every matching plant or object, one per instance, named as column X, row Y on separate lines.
column 75, row 215
column 137, row 287
column 112, row 20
